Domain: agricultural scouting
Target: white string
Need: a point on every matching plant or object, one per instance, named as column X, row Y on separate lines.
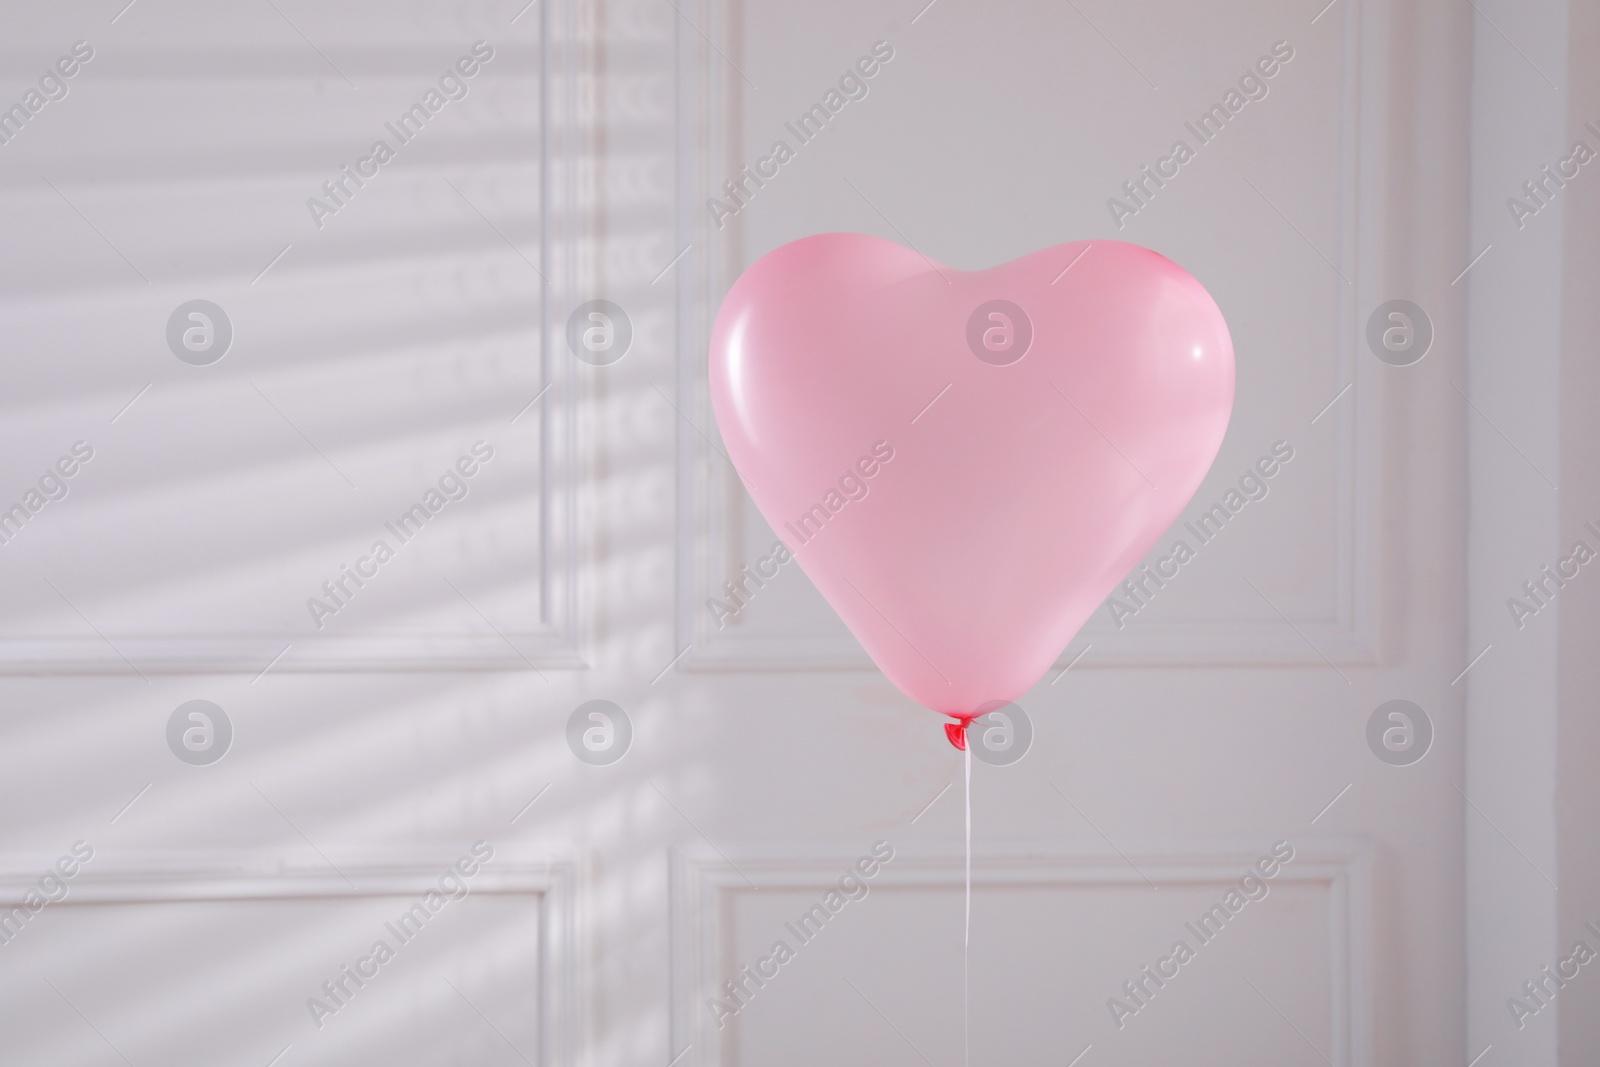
column 966, row 937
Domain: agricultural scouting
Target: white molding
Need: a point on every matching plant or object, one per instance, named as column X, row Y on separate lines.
column 565, row 444
column 709, row 492
column 703, row 880
column 251, row 654
column 554, row 883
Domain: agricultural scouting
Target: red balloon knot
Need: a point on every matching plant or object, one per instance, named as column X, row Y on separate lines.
column 957, row 731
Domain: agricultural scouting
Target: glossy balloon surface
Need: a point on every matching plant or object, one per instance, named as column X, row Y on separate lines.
column 967, row 463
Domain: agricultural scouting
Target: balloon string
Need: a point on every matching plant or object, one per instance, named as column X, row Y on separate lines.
column 966, row 937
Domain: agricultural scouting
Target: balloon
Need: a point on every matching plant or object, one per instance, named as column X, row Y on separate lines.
column 967, row 463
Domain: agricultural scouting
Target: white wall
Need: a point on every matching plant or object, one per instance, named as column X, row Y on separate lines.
column 432, row 710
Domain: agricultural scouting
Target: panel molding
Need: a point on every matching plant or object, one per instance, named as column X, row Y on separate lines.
column 709, row 491
column 563, row 55
column 255, row 654
column 554, row 883
column 703, row 879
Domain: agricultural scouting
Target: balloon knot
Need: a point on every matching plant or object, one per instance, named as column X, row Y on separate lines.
column 957, row 731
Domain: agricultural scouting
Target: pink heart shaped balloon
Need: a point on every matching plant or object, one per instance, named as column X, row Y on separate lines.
column 967, row 463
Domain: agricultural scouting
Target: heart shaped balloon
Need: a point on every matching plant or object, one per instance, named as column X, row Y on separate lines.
column 967, row 463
